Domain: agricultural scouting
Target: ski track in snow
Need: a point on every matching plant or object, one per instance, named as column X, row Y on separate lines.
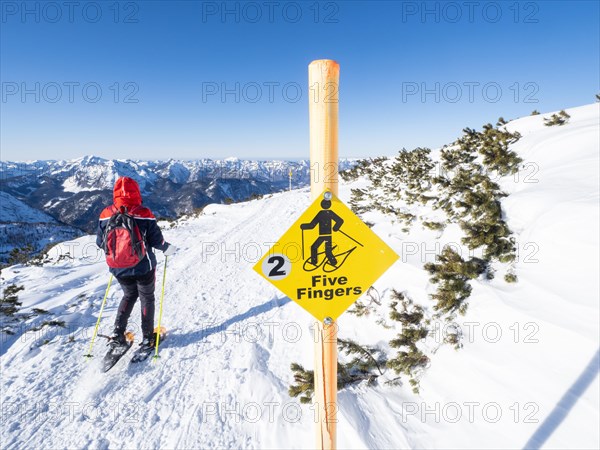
column 222, row 378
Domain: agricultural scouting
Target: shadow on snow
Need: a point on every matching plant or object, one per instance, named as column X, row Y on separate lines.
column 565, row 404
column 183, row 340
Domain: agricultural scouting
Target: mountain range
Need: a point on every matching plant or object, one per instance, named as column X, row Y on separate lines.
column 65, row 197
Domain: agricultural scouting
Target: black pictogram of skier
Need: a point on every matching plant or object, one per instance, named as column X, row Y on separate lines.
column 328, row 222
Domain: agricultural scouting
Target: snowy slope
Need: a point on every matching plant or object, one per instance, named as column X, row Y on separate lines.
column 14, row 210
column 22, row 225
column 222, row 379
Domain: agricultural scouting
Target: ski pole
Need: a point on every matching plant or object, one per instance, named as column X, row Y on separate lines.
column 89, row 354
column 160, row 311
column 348, row 236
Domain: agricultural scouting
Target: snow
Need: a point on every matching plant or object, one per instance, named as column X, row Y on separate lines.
column 91, row 173
column 527, row 375
column 14, row 210
column 21, row 225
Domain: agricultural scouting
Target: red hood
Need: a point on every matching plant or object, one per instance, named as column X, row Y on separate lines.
column 127, row 193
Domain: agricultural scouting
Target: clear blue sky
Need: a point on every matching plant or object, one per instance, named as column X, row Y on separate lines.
column 170, row 56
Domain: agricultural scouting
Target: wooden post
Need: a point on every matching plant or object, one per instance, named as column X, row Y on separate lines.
column 323, row 82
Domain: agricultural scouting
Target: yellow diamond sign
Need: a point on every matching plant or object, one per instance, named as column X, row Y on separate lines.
column 327, row 259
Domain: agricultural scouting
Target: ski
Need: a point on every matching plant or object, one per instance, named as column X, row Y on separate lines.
column 114, row 354
column 143, row 353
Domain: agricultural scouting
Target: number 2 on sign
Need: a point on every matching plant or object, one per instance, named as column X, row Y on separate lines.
column 276, row 267
column 276, row 270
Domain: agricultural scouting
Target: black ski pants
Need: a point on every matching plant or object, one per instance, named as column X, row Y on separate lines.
column 141, row 286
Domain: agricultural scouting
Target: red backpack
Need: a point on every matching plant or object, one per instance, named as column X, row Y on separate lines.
column 123, row 244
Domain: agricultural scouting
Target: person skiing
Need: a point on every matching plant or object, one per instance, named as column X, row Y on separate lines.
column 127, row 232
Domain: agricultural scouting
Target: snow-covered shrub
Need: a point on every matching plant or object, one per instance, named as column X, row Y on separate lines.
column 409, row 360
column 361, row 168
column 20, row 255
column 9, row 303
column 451, row 273
column 510, row 278
column 464, row 191
column 557, row 119
column 366, row 363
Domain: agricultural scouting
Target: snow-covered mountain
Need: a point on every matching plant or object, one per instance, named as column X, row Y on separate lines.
column 527, row 376
column 91, row 173
column 95, row 173
column 13, row 210
column 67, row 190
column 74, row 192
column 22, row 226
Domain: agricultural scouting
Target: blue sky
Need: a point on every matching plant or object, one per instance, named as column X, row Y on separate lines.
column 145, row 79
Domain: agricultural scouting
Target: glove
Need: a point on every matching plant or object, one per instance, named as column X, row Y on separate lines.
column 170, row 250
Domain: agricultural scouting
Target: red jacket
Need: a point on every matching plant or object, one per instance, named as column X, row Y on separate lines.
column 126, row 193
